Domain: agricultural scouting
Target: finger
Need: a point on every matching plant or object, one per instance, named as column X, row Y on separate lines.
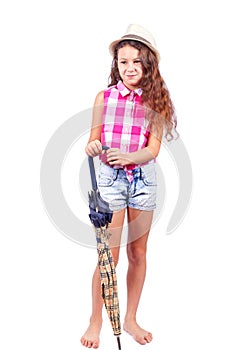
column 91, row 150
column 95, row 148
column 99, row 146
column 112, row 158
column 114, row 162
column 112, row 152
column 88, row 151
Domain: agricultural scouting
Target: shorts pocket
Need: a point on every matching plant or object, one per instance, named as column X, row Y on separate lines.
column 107, row 176
column 149, row 177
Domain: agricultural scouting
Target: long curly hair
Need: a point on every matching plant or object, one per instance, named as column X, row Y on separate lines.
column 156, row 97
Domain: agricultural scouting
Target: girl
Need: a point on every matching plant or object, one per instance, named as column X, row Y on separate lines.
column 130, row 117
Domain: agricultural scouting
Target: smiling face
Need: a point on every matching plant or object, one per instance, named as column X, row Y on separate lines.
column 129, row 66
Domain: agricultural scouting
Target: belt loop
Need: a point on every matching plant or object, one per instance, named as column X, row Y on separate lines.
column 140, row 173
column 116, row 172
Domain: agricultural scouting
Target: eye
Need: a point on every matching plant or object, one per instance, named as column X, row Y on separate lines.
column 123, row 62
column 137, row 61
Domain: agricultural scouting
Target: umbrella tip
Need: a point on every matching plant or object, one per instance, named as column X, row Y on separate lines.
column 119, row 342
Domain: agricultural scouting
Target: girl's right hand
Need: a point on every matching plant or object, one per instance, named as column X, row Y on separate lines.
column 93, row 148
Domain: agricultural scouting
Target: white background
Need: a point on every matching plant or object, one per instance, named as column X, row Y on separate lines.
column 54, row 59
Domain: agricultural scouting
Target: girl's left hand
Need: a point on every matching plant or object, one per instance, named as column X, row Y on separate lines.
column 116, row 157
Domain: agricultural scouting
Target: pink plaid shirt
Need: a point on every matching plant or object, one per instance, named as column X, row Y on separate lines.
column 124, row 124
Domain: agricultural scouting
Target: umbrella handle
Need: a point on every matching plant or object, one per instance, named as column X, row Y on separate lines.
column 92, row 170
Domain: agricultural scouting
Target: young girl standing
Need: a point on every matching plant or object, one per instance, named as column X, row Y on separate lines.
column 130, row 117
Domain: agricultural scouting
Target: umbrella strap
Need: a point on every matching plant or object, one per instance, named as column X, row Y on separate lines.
column 92, row 170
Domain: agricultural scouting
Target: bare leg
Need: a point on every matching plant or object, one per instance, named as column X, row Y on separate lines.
column 90, row 339
column 139, row 226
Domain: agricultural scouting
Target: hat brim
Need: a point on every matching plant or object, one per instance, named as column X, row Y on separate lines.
column 134, row 38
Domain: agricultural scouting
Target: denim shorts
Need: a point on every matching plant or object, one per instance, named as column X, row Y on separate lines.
column 116, row 189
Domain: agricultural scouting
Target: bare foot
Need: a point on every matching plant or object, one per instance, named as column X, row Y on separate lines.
column 139, row 334
column 90, row 339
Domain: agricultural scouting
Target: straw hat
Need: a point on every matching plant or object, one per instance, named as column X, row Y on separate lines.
column 137, row 33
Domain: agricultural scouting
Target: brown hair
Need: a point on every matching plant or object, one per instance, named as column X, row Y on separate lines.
column 156, row 97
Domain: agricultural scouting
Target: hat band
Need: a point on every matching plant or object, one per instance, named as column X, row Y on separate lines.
column 133, row 36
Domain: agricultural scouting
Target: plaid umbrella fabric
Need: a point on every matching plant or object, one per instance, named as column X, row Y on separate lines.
column 101, row 216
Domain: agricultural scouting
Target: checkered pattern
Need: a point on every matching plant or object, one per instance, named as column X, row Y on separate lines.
column 124, row 124
column 108, row 279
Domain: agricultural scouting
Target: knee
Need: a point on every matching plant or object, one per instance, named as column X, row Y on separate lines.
column 136, row 255
column 115, row 257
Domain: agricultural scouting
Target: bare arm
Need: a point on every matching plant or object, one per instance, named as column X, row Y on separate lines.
column 94, row 146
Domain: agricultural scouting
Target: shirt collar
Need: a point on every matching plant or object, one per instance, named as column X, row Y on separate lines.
column 124, row 91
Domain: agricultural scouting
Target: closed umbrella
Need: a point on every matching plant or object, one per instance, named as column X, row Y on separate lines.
column 101, row 216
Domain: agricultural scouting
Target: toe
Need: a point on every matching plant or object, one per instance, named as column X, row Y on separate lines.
column 95, row 345
column 83, row 341
column 148, row 337
column 140, row 340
